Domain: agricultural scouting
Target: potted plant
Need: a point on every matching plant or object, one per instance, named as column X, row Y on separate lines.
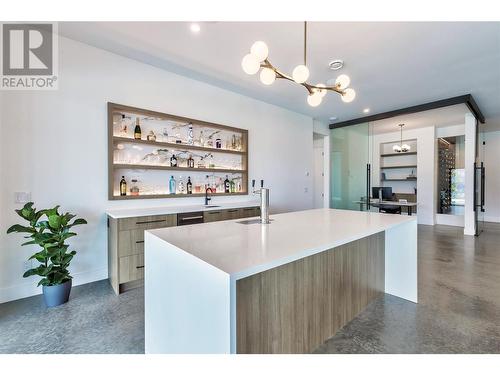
column 49, row 229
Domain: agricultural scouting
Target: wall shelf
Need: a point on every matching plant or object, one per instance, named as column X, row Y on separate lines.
column 398, row 154
column 182, row 169
column 180, row 146
column 399, row 167
column 399, row 179
column 126, row 154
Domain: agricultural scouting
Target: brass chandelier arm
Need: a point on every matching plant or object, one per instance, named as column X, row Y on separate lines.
column 310, row 88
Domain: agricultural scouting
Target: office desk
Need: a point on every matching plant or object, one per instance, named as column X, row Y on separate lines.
column 376, row 202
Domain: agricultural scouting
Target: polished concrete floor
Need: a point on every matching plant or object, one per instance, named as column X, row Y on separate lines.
column 459, row 301
column 458, row 309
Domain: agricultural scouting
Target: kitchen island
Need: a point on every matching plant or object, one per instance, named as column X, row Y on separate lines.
column 243, row 287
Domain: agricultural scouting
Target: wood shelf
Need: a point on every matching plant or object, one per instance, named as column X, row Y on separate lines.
column 159, row 196
column 180, row 146
column 398, row 154
column 399, row 179
column 399, row 167
column 115, row 110
column 168, row 168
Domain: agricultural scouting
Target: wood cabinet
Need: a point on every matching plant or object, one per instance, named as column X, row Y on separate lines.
column 126, row 242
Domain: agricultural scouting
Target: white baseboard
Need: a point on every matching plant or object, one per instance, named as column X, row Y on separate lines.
column 29, row 289
column 492, row 219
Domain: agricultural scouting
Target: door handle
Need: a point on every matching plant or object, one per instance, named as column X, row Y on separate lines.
column 483, row 178
column 148, row 222
column 191, row 218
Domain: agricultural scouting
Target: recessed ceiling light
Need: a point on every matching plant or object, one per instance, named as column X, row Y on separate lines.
column 333, row 118
column 336, row 64
column 366, row 110
column 195, row 28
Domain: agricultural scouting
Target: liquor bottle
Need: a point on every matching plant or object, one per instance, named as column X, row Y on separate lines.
column 202, row 139
column 233, row 186
column 173, row 161
column 190, row 134
column 181, row 186
column 137, row 130
column 227, row 185
column 123, row 186
column 171, row 185
column 189, row 186
column 233, row 142
column 190, row 161
column 134, row 190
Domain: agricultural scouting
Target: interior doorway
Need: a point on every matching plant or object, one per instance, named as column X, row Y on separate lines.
column 319, row 170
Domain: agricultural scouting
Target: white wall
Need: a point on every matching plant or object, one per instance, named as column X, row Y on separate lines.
column 492, row 170
column 54, row 144
column 426, row 174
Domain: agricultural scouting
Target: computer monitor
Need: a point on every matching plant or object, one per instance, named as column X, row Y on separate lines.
column 386, row 192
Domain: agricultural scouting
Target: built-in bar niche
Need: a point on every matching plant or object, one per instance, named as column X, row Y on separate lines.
column 157, row 155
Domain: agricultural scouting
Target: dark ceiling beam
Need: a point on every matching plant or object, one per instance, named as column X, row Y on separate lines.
column 468, row 100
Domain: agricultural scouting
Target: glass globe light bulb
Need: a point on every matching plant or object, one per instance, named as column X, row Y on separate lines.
column 348, row 95
column 405, row 147
column 396, row 148
column 342, row 81
column 322, row 92
column 300, row 74
column 259, row 50
column 250, row 64
column 314, row 99
column 267, row 76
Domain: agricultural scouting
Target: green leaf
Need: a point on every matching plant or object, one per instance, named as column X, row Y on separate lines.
column 20, row 229
column 78, row 222
column 55, row 221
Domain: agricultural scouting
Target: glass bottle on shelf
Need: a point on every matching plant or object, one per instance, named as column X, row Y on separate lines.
column 233, row 142
column 227, row 185
column 123, row 186
column 123, row 127
column 202, row 139
column 171, row 185
column 190, row 161
column 232, row 186
column 134, row 190
column 151, row 136
column 137, row 130
column 190, row 134
column 189, row 186
column 173, row 161
column 218, row 143
column 181, row 186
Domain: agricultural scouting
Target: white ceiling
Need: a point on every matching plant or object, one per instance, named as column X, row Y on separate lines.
column 391, row 65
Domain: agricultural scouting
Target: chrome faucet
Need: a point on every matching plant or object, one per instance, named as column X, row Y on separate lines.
column 264, row 201
column 207, row 198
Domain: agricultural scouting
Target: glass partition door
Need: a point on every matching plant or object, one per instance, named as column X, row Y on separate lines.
column 350, row 167
column 479, row 181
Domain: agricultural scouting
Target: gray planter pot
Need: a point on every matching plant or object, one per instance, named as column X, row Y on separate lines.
column 56, row 295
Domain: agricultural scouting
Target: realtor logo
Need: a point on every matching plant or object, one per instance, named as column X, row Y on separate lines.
column 29, row 56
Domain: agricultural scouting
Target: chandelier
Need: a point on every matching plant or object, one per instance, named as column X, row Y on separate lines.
column 401, row 147
column 257, row 59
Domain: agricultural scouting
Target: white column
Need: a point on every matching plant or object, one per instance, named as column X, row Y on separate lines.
column 470, row 157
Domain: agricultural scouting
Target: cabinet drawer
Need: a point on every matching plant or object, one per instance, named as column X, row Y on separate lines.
column 131, row 268
column 130, row 242
column 209, row 216
column 249, row 211
column 231, row 214
column 147, row 222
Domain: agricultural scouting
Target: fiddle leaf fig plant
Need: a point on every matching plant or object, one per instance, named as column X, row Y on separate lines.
column 48, row 229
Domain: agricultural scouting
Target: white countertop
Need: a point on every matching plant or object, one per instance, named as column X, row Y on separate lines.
column 165, row 210
column 242, row 250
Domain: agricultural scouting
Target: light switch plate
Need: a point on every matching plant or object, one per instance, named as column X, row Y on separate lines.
column 22, row 197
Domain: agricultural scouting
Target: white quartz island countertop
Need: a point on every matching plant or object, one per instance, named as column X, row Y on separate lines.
column 241, row 250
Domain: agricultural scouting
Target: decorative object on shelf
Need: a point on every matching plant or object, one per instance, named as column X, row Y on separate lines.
column 54, row 258
column 401, row 147
column 412, row 175
column 218, row 143
column 258, row 58
column 189, row 186
column 134, row 189
column 151, row 136
column 190, row 161
column 172, row 185
column 383, row 177
column 173, row 161
column 190, row 140
column 137, row 130
column 123, row 186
